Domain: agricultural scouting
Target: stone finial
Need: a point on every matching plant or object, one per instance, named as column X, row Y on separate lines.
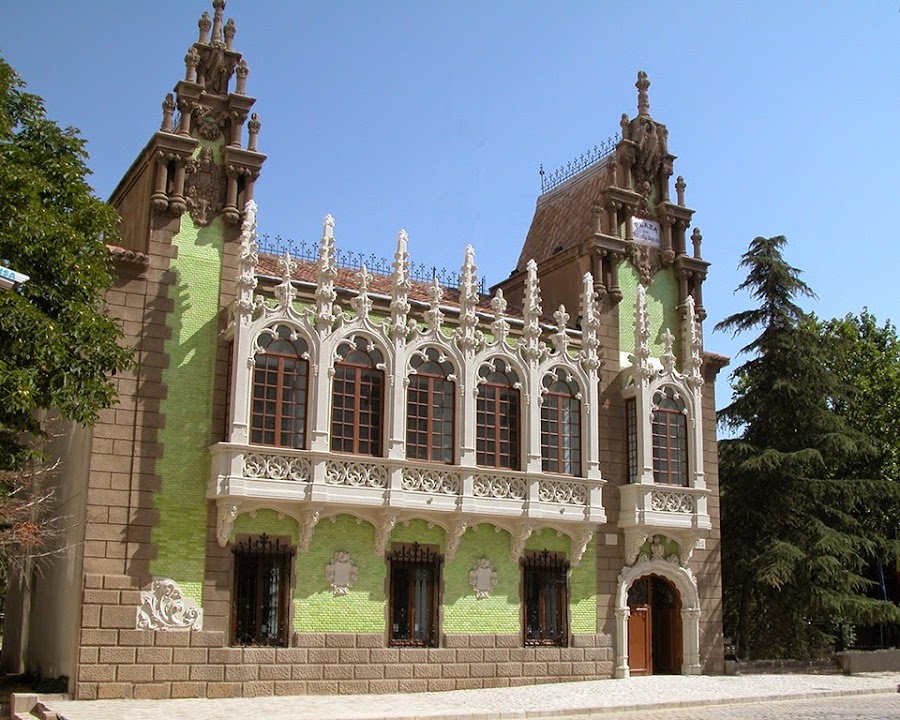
column 218, row 9
column 362, row 303
column 643, row 101
column 560, row 338
column 168, row 108
column 327, row 272
column 191, row 61
column 253, row 132
column 668, row 356
column 434, row 317
column 249, row 258
column 641, row 357
column 230, row 31
column 242, row 71
column 680, row 185
column 531, row 334
column 284, row 291
column 204, row 24
column 400, row 286
column 590, row 324
column 692, row 348
column 696, row 240
column 500, row 326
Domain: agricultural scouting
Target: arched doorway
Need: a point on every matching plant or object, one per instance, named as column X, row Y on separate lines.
column 682, row 619
column 654, row 627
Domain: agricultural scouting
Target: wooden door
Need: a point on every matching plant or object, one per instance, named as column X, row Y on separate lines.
column 666, row 627
column 640, row 624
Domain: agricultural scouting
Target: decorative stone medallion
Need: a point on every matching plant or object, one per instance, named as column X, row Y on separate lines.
column 341, row 573
column 482, row 578
column 164, row 607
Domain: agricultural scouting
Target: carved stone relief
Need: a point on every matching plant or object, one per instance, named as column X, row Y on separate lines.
column 205, row 188
column 482, row 578
column 164, row 607
column 209, row 122
column 341, row 573
column 645, row 260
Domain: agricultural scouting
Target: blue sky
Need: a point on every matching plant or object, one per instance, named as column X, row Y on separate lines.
column 435, row 117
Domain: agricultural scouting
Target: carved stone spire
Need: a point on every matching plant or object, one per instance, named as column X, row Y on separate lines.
column 467, row 335
column 668, row 356
column 643, row 101
column 641, row 335
column 285, row 291
column 218, row 8
column 532, row 348
column 692, row 345
column 560, row 338
column 246, row 280
column 400, row 286
column 590, row 325
column 327, row 272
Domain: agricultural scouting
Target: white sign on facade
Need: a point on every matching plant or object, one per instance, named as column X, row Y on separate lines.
column 645, row 230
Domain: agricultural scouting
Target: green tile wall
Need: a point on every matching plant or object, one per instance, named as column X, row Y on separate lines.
column 662, row 308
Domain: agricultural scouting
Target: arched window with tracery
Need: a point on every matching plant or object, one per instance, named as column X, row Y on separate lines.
column 280, row 389
column 561, row 424
column 430, row 403
column 669, row 427
column 497, row 417
column 357, row 398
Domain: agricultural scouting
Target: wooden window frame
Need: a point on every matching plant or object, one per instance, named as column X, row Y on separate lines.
column 553, row 412
column 504, row 405
column 416, row 557
column 668, row 426
column 545, row 581
column 433, row 378
column 253, row 557
column 281, row 415
column 359, row 376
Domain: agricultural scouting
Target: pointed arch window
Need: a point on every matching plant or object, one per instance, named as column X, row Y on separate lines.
column 280, row 389
column 497, row 417
column 430, row 405
column 669, row 427
column 561, row 424
column 357, row 399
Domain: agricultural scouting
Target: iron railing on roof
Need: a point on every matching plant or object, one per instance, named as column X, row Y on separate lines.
column 582, row 162
column 353, row 260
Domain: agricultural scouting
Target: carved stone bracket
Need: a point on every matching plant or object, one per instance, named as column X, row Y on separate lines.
column 580, row 544
column 164, row 607
column 383, row 532
column 454, row 537
column 310, row 520
column 341, row 573
column 520, row 537
column 483, row 578
column 228, row 512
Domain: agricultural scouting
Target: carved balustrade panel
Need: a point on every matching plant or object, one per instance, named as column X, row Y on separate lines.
column 266, row 466
column 440, row 482
column 500, row 486
column 673, row 502
column 356, row 474
column 563, row 491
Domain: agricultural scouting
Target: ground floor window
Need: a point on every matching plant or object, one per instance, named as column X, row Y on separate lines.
column 262, row 592
column 545, row 577
column 415, row 580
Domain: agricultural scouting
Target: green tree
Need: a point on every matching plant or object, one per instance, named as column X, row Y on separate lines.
column 57, row 348
column 795, row 541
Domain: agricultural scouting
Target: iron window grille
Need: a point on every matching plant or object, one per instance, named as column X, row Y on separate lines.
column 497, row 417
column 357, row 399
column 546, row 594
column 415, row 576
column 262, row 592
column 669, row 427
column 560, row 425
column 430, row 409
column 280, row 390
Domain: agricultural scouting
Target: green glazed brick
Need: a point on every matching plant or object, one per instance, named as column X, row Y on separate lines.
column 662, row 308
column 180, row 536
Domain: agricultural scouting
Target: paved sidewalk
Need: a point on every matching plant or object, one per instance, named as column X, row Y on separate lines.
column 533, row 701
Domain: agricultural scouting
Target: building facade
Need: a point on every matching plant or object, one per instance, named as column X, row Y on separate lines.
column 322, row 479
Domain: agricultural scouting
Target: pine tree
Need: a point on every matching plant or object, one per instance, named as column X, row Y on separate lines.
column 795, row 542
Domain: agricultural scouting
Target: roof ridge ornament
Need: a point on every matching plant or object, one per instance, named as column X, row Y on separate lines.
column 642, row 84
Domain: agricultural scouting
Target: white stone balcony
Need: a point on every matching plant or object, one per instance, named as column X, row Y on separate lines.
column 246, row 477
column 678, row 512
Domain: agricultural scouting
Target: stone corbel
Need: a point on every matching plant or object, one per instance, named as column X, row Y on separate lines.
column 579, row 545
column 456, row 534
column 634, row 539
column 383, row 532
column 520, row 537
column 227, row 513
column 310, row 520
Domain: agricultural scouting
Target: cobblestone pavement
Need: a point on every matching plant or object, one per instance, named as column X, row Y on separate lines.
column 857, row 707
column 603, row 698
